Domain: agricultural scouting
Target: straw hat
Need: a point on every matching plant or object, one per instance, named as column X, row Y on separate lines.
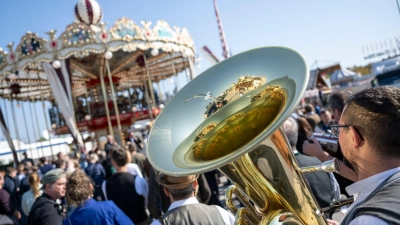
column 176, row 182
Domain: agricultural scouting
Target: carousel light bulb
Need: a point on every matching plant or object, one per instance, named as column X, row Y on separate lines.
column 161, row 106
column 108, row 55
column 88, row 117
column 134, row 109
column 198, row 66
column 56, row 64
column 154, row 52
column 12, row 76
column 53, row 126
column 171, row 81
column 198, row 59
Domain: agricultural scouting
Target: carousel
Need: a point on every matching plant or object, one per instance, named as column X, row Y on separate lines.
column 98, row 80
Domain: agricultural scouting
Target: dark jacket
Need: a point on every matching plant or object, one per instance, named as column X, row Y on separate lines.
column 24, row 185
column 46, row 168
column 45, row 211
column 320, row 182
column 6, row 207
column 11, row 185
column 96, row 172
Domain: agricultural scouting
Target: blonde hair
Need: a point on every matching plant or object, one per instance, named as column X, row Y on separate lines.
column 79, row 186
column 34, row 183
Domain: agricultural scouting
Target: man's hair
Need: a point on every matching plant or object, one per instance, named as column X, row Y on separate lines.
column 78, row 186
column 337, row 100
column 309, row 108
column 10, row 170
column 119, row 156
column 290, row 128
column 59, row 163
column 43, row 160
column 324, row 111
column 132, row 147
column 178, row 194
column 375, row 113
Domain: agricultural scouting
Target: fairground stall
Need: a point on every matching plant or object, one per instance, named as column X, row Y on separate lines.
column 99, row 79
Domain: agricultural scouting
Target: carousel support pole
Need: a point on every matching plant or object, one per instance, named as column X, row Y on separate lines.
column 26, row 128
column 174, row 71
column 37, row 121
column 115, row 103
column 38, row 129
column 187, row 76
column 47, row 124
column 160, row 95
column 191, row 68
column 146, row 97
column 130, row 98
column 149, row 81
column 87, row 103
column 15, row 124
column 103, row 88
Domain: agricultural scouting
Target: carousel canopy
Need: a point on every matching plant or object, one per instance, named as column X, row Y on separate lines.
column 166, row 52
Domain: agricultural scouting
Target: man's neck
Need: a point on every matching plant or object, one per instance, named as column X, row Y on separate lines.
column 179, row 199
column 122, row 169
column 375, row 165
column 50, row 195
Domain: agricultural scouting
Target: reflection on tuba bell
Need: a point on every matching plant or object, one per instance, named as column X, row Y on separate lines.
column 229, row 117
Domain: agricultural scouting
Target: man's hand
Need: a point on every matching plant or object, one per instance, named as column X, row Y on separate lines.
column 17, row 215
column 332, row 222
column 314, row 149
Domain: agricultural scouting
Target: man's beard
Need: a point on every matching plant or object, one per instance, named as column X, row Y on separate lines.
column 350, row 163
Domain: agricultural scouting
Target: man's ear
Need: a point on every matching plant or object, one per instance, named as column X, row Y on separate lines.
column 338, row 112
column 355, row 137
column 166, row 191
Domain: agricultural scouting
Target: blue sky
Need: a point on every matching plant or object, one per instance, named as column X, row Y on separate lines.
column 325, row 31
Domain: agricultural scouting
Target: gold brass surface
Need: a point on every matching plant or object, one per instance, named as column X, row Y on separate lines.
column 239, row 133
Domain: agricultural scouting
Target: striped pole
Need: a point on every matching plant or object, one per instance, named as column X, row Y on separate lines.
column 225, row 48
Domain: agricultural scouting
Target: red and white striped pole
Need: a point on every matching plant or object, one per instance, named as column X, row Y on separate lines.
column 225, row 48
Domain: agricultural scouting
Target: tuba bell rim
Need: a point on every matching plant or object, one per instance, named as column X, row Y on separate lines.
column 158, row 157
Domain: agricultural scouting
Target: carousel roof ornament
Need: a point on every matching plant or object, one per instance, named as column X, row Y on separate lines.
column 168, row 51
column 88, row 12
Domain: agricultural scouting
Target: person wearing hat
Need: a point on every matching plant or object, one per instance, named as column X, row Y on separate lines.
column 185, row 209
column 46, row 210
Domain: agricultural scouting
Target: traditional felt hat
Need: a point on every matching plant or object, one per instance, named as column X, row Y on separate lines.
column 176, row 182
column 52, row 176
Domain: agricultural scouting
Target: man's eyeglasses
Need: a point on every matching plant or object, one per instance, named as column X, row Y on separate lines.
column 335, row 130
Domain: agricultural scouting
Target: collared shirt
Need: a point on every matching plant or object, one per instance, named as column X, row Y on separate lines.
column 361, row 189
column 226, row 216
column 133, row 169
column 141, row 187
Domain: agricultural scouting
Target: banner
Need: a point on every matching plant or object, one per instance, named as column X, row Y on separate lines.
column 8, row 137
column 60, row 83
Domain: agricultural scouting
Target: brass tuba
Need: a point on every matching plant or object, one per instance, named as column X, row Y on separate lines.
column 229, row 117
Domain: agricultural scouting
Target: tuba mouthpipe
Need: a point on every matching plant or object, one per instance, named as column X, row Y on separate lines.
column 327, row 166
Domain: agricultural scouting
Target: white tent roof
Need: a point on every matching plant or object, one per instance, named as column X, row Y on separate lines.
column 343, row 75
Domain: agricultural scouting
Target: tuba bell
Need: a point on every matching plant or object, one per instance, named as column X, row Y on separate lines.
column 229, row 118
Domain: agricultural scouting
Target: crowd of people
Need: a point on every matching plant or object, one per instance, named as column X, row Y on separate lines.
column 117, row 185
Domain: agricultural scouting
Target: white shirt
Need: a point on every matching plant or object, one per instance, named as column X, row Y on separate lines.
column 226, row 216
column 361, row 189
column 28, row 198
column 141, row 187
column 133, row 169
